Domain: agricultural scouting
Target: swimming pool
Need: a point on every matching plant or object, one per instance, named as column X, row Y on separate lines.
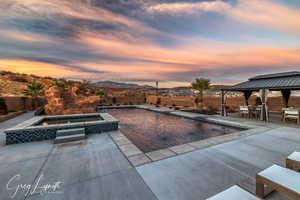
column 151, row 131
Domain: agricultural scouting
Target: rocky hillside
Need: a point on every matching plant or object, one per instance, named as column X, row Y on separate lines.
column 11, row 88
column 13, row 84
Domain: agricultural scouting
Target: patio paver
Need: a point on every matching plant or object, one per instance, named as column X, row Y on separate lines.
column 139, row 159
column 130, row 150
column 184, row 148
column 160, row 154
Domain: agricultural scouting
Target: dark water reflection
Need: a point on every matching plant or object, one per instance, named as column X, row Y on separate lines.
column 151, row 131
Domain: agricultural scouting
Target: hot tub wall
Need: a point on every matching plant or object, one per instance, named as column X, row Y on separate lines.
column 46, row 133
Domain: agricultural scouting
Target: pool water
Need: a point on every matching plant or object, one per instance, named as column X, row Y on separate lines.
column 47, row 122
column 151, row 131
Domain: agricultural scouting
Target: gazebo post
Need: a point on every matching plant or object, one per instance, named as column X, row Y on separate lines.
column 285, row 97
column 223, row 93
column 247, row 95
column 263, row 96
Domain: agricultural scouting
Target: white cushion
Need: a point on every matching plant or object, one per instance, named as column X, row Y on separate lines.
column 291, row 112
column 234, row 193
column 244, row 108
column 295, row 156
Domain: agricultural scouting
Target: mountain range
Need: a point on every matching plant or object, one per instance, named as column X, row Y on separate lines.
column 112, row 84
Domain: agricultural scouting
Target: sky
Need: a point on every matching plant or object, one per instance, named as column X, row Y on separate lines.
column 143, row 41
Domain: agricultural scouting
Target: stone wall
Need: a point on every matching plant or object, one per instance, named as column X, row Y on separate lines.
column 171, row 101
column 214, row 102
column 211, row 102
column 134, row 99
column 22, row 103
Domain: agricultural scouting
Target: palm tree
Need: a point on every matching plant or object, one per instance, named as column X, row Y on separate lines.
column 201, row 84
column 34, row 90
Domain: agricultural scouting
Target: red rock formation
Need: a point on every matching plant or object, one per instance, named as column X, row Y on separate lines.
column 69, row 102
column 55, row 101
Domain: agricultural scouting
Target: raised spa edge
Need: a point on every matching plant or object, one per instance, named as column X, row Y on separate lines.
column 30, row 130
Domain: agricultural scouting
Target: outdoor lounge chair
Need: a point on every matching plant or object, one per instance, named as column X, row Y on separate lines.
column 257, row 111
column 278, row 178
column 244, row 110
column 291, row 114
column 293, row 161
column 234, row 193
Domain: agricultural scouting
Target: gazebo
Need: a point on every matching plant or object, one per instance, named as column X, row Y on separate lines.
column 284, row 82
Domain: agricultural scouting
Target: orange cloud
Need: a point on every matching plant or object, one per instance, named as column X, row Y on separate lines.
column 25, row 37
column 190, row 56
column 39, row 68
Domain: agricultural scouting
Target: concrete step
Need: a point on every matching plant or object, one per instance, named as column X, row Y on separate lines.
column 69, row 138
column 73, row 131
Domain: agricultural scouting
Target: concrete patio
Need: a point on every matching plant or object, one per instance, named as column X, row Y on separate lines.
column 97, row 169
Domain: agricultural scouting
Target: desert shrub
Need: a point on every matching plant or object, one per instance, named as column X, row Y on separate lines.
column 100, row 92
column 59, row 84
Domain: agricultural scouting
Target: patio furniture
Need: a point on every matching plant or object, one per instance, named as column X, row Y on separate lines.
column 293, row 161
column 283, row 110
column 244, row 110
column 234, row 193
column 257, row 112
column 278, row 178
column 291, row 114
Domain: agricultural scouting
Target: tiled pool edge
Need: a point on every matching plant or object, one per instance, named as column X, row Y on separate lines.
column 137, row 158
column 28, row 131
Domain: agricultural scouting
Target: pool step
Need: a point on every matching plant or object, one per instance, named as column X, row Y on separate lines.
column 69, row 135
column 69, row 138
column 73, row 131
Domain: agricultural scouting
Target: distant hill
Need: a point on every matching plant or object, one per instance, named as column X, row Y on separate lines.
column 213, row 88
column 218, row 87
column 112, row 84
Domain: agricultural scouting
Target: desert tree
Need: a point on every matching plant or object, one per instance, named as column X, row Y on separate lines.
column 201, row 84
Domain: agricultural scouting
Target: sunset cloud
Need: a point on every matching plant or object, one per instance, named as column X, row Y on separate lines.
column 149, row 40
column 263, row 12
column 189, row 7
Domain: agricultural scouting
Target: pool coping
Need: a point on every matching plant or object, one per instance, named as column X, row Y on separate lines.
column 137, row 157
column 31, row 124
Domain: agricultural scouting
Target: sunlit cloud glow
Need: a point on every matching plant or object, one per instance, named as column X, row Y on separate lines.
column 149, row 40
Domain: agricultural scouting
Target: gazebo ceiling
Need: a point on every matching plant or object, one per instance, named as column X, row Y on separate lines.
column 278, row 81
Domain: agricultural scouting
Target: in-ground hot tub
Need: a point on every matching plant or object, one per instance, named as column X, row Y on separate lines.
column 45, row 127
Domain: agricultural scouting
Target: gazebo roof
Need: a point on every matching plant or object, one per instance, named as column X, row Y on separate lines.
column 278, row 81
